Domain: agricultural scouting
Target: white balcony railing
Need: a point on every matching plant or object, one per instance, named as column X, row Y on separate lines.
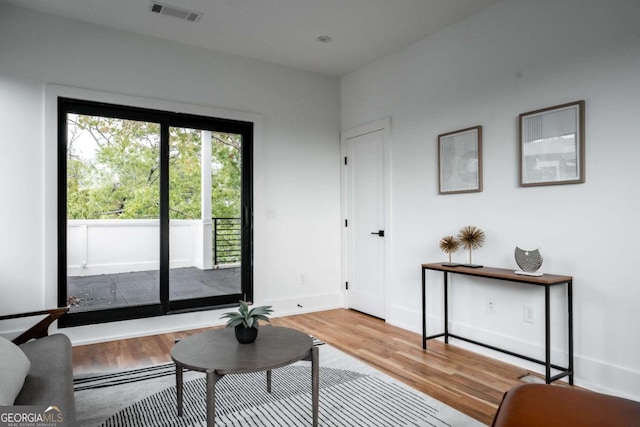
column 119, row 246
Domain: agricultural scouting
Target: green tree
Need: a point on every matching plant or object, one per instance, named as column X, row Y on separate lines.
column 184, row 173
column 226, row 175
column 113, row 170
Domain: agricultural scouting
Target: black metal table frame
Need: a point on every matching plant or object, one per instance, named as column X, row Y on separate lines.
column 564, row 371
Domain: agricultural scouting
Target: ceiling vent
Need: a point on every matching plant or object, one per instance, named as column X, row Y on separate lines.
column 176, row 12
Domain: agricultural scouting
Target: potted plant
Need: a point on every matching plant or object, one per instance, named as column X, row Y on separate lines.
column 245, row 321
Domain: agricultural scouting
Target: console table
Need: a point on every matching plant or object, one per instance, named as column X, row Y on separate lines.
column 546, row 281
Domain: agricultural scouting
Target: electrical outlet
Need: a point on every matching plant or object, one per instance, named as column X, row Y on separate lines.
column 529, row 313
column 303, row 279
column 491, row 306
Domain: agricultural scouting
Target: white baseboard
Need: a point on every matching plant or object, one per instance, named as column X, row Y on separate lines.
column 405, row 319
column 91, row 334
column 113, row 331
column 306, row 304
column 606, row 378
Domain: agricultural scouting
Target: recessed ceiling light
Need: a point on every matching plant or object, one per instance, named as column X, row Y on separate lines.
column 324, row 39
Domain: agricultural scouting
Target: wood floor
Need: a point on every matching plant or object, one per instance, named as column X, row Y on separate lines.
column 471, row 383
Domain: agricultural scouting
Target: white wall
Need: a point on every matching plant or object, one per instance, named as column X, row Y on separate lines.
column 296, row 155
column 518, row 56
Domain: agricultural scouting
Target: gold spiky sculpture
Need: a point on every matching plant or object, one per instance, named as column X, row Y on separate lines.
column 448, row 245
column 471, row 238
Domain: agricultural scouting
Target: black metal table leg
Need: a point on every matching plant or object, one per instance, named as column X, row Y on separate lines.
column 315, row 383
column 446, row 308
column 547, row 336
column 570, row 320
column 424, row 310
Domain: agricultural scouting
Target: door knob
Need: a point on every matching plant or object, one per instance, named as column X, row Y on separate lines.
column 379, row 233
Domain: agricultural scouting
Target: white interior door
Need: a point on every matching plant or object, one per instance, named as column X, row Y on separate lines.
column 365, row 223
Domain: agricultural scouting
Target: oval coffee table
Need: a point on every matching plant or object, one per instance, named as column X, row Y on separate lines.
column 217, row 353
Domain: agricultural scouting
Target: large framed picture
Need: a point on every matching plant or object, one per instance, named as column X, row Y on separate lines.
column 460, row 161
column 552, row 145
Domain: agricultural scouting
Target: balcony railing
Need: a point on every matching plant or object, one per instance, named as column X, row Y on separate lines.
column 227, row 240
column 118, row 246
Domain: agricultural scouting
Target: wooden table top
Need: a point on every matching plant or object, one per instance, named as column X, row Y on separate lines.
column 217, row 350
column 501, row 273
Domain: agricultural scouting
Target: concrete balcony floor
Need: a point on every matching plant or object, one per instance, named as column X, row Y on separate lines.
column 143, row 287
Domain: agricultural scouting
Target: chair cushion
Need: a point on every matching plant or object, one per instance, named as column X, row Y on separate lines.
column 14, row 368
column 541, row 405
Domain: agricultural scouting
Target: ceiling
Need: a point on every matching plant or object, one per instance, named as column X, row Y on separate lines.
column 279, row 31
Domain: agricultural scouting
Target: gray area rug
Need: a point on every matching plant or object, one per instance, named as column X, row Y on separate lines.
column 351, row 394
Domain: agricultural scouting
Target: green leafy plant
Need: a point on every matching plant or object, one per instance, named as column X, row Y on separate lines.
column 247, row 318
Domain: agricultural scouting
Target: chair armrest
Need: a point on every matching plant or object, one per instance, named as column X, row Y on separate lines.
column 40, row 329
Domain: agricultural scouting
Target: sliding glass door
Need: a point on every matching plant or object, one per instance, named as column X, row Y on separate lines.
column 205, row 195
column 154, row 212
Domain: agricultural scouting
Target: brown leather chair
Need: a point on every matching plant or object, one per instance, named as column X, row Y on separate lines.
column 542, row 405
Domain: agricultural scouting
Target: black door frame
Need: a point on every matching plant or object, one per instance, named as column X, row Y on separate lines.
column 166, row 120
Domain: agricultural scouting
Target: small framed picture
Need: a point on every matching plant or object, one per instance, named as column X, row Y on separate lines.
column 460, row 161
column 552, row 145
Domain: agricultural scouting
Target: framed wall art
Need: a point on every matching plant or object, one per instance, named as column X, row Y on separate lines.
column 552, row 145
column 460, row 161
